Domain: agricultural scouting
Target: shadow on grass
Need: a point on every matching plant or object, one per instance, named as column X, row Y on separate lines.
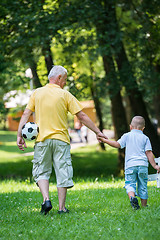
column 8, row 145
column 94, row 165
column 87, row 162
column 7, row 136
column 85, row 166
column 18, row 169
column 14, row 149
column 101, row 165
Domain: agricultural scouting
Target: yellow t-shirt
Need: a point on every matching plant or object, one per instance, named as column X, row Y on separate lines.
column 51, row 104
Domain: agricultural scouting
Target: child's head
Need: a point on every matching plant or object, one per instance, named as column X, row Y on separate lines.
column 137, row 122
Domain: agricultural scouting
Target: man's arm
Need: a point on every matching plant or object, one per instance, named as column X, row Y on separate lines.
column 88, row 123
column 20, row 141
column 150, row 157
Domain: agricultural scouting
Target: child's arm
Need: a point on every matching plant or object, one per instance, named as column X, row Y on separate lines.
column 152, row 161
column 110, row 142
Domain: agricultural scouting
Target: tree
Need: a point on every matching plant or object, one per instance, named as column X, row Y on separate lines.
column 135, row 95
column 102, row 16
column 85, row 33
column 98, row 19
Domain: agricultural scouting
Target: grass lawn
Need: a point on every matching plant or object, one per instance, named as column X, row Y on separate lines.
column 99, row 207
column 8, row 147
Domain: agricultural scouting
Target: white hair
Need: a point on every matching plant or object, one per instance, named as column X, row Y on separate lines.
column 138, row 122
column 57, row 70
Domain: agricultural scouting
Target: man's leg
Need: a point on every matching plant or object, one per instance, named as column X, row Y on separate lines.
column 44, row 188
column 144, row 202
column 62, row 163
column 62, row 191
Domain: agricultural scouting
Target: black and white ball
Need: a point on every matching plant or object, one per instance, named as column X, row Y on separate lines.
column 30, row 131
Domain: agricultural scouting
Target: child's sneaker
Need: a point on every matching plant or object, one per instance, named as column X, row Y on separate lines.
column 134, row 203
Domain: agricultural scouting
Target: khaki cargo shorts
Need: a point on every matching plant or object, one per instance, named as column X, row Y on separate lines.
column 56, row 152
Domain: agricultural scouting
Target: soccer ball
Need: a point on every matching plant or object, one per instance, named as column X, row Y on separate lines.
column 30, row 131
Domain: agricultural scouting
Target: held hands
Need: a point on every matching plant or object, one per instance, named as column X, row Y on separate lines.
column 101, row 137
column 157, row 167
column 21, row 143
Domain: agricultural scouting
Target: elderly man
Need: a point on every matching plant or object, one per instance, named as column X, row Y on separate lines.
column 51, row 104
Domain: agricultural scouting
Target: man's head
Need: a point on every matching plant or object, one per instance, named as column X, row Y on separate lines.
column 58, row 75
column 137, row 122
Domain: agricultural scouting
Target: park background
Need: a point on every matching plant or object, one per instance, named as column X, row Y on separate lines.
column 112, row 53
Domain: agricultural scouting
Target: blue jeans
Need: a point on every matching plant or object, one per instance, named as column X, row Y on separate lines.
column 137, row 177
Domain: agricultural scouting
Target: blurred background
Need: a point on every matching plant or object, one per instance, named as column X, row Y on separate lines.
column 110, row 49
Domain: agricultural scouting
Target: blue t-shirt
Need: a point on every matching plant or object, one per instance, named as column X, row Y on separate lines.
column 136, row 144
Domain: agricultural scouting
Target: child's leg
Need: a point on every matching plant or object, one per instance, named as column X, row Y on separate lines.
column 130, row 186
column 133, row 200
column 144, row 202
column 131, row 194
column 130, row 181
column 142, row 185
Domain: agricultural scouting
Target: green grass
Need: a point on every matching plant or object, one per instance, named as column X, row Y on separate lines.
column 98, row 211
column 8, row 147
column 13, row 163
column 88, row 163
column 99, row 206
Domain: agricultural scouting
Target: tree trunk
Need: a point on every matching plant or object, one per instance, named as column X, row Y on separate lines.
column 157, row 108
column 96, row 102
column 98, row 112
column 157, row 98
column 135, row 96
column 120, row 121
column 136, row 101
column 139, row 108
column 48, row 57
column 36, row 80
column 118, row 111
column 105, row 36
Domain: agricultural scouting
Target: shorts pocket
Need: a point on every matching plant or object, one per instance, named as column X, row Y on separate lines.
column 41, row 144
column 128, row 171
column 39, row 150
column 69, row 169
column 129, row 176
column 62, row 143
column 143, row 171
column 64, row 149
column 143, row 174
column 36, row 167
column 37, row 161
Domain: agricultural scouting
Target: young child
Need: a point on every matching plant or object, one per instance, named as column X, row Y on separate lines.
column 138, row 151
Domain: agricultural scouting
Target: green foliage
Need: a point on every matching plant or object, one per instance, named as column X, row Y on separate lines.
column 80, row 34
column 139, row 23
column 3, row 115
